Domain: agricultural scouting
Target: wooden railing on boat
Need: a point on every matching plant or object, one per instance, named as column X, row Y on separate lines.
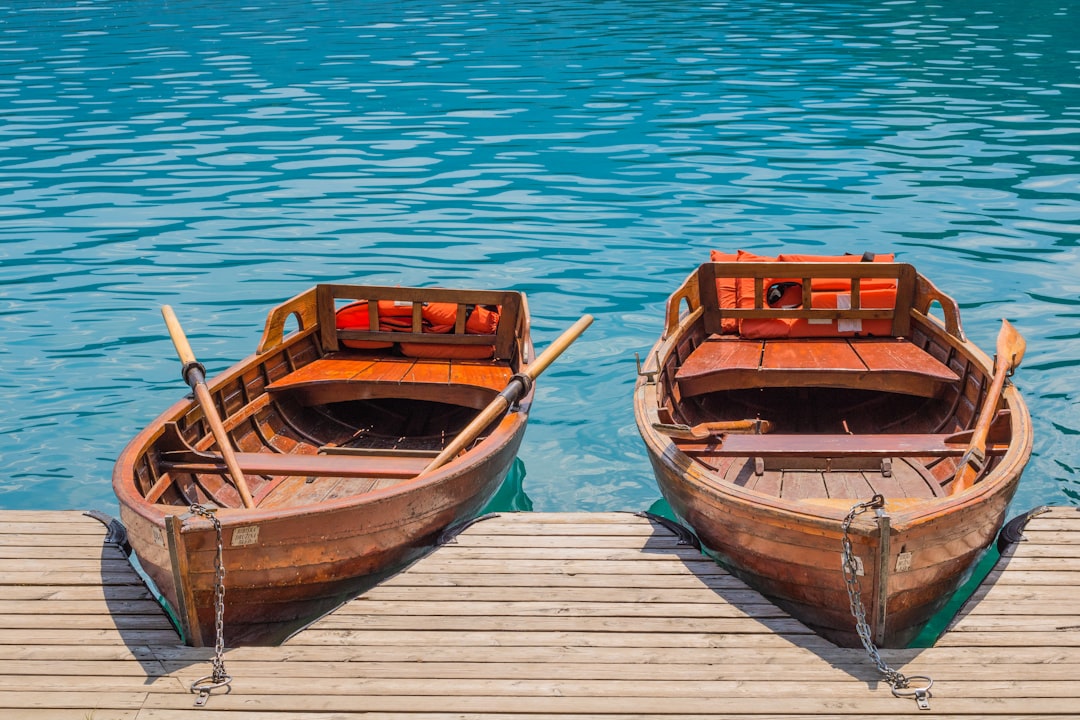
column 316, row 309
column 722, row 361
column 342, row 374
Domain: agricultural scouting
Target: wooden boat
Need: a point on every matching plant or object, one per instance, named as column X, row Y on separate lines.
column 346, row 452
column 769, row 426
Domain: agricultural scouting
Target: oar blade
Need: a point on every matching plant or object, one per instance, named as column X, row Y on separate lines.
column 1010, row 345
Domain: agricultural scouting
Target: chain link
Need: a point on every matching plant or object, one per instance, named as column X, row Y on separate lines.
column 900, row 684
column 218, row 677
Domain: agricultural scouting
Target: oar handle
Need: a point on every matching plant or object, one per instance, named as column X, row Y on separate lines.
column 179, row 339
column 202, row 394
column 509, row 394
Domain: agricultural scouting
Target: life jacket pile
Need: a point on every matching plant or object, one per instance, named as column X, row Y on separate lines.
column 436, row 317
column 781, row 292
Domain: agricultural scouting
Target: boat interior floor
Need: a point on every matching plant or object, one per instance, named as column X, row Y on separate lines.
column 294, row 455
column 829, row 444
column 841, row 481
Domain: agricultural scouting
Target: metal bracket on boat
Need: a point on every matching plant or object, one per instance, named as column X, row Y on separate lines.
column 513, row 398
column 650, row 376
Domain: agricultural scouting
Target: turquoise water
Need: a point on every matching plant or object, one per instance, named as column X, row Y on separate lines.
column 221, row 157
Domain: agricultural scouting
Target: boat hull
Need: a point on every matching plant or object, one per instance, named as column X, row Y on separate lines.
column 283, row 571
column 795, row 559
column 914, row 551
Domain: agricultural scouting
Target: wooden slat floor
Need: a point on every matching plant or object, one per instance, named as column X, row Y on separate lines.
column 526, row 616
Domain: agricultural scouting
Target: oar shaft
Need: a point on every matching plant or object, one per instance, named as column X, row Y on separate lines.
column 509, row 394
column 1010, row 350
column 555, row 349
column 193, row 375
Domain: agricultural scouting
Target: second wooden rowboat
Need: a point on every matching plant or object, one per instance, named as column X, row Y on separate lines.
column 347, row 453
column 792, row 407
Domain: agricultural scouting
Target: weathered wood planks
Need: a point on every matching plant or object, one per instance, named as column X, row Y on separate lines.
column 523, row 616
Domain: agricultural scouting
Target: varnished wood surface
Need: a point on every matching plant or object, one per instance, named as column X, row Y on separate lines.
column 354, row 376
column 525, row 616
column 728, row 362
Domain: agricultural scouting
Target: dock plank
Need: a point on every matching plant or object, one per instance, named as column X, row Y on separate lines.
column 527, row 615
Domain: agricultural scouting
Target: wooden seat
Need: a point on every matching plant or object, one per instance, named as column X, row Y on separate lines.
column 884, row 364
column 283, row 464
column 351, row 375
column 842, row 445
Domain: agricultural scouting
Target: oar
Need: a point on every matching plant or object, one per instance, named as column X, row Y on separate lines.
column 1010, row 351
column 510, row 393
column 193, row 376
column 708, row 429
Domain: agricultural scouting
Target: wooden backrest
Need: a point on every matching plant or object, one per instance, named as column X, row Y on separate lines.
column 759, row 273
column 510, row 329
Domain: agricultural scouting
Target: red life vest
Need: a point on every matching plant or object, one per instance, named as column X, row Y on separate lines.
column 389, row 317
column 394, row 316
column 874, row 293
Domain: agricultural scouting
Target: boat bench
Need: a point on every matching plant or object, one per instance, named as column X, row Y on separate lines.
column 430, row 371
column 840, row 445
column 324, row 465
column 359, row 375
column 839, row 451
column 730, row 358
column 725, row 362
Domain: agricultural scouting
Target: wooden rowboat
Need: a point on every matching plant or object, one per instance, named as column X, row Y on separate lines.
column 771, row 427
column 347, row 451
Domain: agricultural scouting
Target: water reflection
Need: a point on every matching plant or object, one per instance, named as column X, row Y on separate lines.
column 589, row 153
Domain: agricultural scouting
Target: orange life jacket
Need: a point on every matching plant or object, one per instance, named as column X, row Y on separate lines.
column 874, row 293
column 389, row 317
column 441, row 318
column 436, row 317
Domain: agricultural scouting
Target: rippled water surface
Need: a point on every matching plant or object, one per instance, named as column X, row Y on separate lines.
column 221, row 157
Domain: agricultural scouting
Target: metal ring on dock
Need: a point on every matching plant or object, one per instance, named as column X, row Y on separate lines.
column 199, row 687
column 908, row 691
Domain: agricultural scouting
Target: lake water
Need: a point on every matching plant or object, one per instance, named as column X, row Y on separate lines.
column 221, row 157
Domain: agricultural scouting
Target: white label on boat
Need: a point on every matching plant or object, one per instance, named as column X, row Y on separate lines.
column 858, row 565
column 245, row 535
column 903, row 562
column 843, row 302
column 158, row 537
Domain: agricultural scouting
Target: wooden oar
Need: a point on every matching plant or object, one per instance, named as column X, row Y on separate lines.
column 193, row 376
column 1010, row 351
column 708, row 429
column 510, row 394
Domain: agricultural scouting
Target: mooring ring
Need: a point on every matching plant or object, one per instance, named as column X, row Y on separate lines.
column 908, row 691
column 199, row 687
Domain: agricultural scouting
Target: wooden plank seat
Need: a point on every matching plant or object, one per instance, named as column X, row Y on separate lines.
column 726, row 362
column 843, row 445
column 282, row 464
column 360, row 375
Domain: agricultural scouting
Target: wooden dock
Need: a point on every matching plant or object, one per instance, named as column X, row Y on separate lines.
column 526, row 616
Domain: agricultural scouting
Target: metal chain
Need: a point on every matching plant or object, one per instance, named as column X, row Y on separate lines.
column 218, row 678
column 900, row 684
